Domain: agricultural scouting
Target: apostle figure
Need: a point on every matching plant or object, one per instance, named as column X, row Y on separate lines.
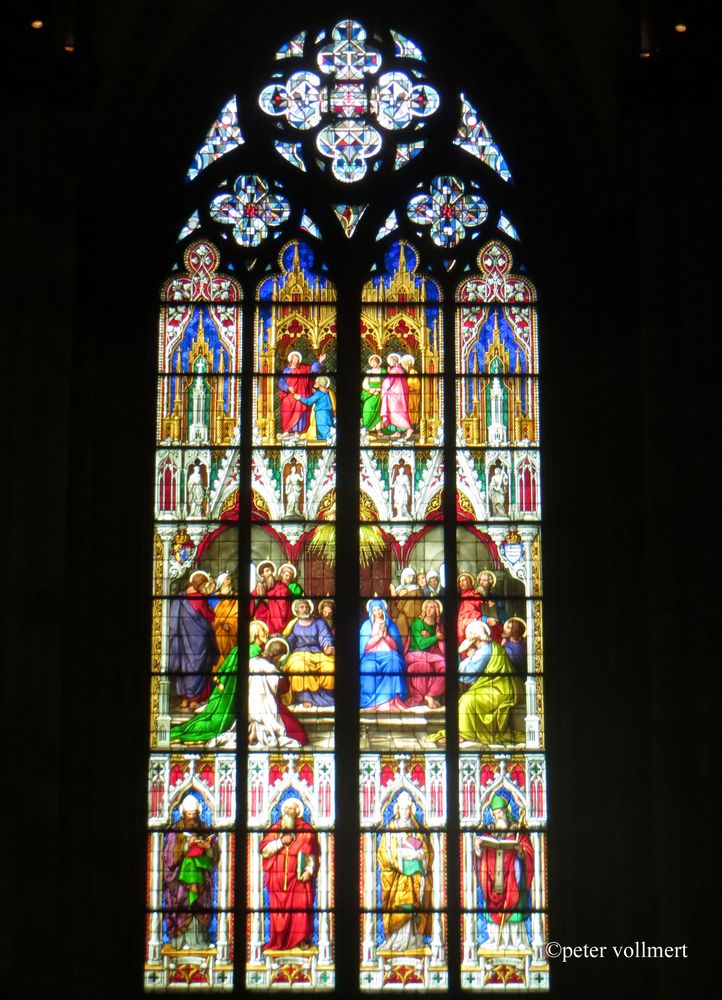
column 225, row 623
column 425, row 662
column 291, row 856
column 433, row 586
column 310, row 665
column 190, row 853
column 493, row 612
column 395, row 400
column 381, row 647
column 321, row 401
column 371, row 395
column 514, row 643
column 469, row 605
column 327, row 610
column 296, row 381
column 192, row 648
column 287, row 574
column 271, row 598
column 414, row 384
column 485, row 708
column 270, row 724
column 409, row 598
column 504, row 865
column 405, row 859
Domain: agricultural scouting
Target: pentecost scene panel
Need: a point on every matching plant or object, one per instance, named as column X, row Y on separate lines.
column 499, row 635
column 403, row 870
column 503, row 870
column 401, row 634
column 291, row 665
column 191, row 873
column 291, row 886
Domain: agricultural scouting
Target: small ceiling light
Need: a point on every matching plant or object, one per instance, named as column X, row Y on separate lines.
column 645, row 54
column 69, row 48
column 681, row 28
column 36, row 24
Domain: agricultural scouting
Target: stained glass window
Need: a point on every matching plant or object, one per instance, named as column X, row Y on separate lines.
column 348, row 473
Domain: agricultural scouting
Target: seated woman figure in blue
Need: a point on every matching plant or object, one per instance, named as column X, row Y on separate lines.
column 383, row 681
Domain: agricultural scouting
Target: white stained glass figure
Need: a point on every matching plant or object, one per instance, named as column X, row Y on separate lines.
column 223, row 136
column 475, row 138
column 348, row 57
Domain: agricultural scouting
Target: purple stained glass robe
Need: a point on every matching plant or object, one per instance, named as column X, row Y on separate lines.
column 192, row 649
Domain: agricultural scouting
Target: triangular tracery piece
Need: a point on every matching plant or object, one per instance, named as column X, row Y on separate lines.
column 291, row 151
column 190, row 226
column 388, row 227
column 405, row 48
column 507, row 226
column 309, row 226
column 475, row 138
column 349, row 216
column 223, row 136
column 405, row 153
column 293, row 47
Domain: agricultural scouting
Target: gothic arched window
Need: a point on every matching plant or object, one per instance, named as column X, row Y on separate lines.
column 347, row 726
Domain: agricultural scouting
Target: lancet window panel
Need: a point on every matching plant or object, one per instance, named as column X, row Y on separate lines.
column 251, row 519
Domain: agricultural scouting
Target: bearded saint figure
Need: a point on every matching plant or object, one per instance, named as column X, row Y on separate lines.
column 504, row 864
column 405, row 859
column 190, row 854
column 291, row 856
